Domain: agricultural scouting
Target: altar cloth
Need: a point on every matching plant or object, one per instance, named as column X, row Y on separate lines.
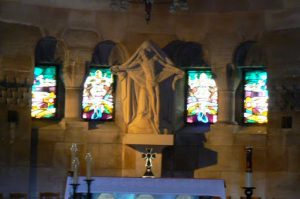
column 151, row 186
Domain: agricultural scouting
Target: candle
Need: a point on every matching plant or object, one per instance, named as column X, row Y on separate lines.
column 74, row 150
column 88, row 158
column 75, row 166
column 249, row 181
column 12, row 129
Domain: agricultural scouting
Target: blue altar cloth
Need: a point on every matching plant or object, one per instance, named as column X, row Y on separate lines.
column 131, row 188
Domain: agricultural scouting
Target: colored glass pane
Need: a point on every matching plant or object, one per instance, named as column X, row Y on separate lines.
column 97, row 101
column 44, row 92
column 202, row 97
column 256, row 97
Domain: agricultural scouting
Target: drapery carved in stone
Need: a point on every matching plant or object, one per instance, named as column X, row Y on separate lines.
column 145, row 78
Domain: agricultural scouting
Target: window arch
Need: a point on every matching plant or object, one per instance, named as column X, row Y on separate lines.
column 47, row 88
column 185, row 54
column 98, row 99
column 201, row 98
column 252, row 94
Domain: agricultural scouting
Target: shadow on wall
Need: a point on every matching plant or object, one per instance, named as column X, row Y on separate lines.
column 188, row 153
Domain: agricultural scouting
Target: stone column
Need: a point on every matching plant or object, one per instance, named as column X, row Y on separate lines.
column 227, row 81
column 73, row 79
column 72, row 103
column 226, row 106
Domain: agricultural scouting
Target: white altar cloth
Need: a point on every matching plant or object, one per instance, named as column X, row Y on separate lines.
column 152, row 186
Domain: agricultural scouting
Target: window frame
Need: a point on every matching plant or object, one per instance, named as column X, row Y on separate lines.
column 59, row 83
column 87, row 71
column 242, row 111
column 186, row 92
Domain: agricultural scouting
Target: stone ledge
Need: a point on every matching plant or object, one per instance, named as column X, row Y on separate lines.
column 103, row 138
column 148, row 139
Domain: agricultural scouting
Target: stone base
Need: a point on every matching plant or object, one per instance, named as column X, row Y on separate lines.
column 148, row 139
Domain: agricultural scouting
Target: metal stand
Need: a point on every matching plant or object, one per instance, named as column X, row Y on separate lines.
column 248, row 192
column 70, row 173
column 88, row 183
column 74, row 189
column 148, row 173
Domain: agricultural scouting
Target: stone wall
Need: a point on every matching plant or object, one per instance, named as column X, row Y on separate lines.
column 39, row 158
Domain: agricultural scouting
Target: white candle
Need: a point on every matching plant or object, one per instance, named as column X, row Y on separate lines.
column 249, row 181
column 12, row 129
column 88, row 158
column 74, row 150
column 75, row 165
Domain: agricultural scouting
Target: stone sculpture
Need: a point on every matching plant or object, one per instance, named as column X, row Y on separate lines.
column 141, row 79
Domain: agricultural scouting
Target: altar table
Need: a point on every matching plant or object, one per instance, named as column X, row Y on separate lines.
column 162, row 188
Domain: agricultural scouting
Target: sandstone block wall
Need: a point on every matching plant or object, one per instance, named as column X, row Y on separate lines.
column 39, row 159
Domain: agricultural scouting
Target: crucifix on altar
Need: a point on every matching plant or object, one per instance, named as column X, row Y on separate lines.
column 148, row 156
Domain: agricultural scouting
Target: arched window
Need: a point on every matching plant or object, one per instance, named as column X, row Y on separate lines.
column 255, row 96
column 98, row 89
column 47, row 86
column 253, row 105
column 202, row 97
column 97, row 97
column 201, row 104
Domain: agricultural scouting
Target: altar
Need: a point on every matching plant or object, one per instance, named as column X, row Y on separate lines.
column 149, row 188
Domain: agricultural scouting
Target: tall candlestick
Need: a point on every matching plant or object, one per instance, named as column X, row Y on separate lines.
column 74, row 150
column 12, row 129
column 75, row 166
column 249, row 182
column 89, row 159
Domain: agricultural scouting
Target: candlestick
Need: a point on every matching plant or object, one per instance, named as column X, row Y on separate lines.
column 248, row 182
column 248, row 192
column 88, row 182
column 248, row 150
column 74, row 150
column 12, row 129
column 89, row 159
column 75, row 165
column 74, row 185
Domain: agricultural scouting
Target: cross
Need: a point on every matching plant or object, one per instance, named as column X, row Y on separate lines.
column 149, row 156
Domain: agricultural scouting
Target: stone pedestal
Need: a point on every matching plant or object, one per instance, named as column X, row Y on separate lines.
column 135, row 146
column 148, row 139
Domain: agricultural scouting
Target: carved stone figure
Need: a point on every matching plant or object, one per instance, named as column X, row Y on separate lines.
column 141, row 79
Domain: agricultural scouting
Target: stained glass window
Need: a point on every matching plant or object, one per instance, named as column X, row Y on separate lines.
column 97, row 100
column 202, row 97
column 44, row 92
column 255, row 97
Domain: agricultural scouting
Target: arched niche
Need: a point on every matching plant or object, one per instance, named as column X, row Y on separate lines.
column 185, row 54
column 48, row 68
column 172, row 50
column 106, row 54
column 249, row 53
column 190, row 56
column 249, row 60
column 109, row 53
column 45, row 50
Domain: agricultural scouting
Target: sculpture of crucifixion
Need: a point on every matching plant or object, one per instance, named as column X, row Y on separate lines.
column 148, row 156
